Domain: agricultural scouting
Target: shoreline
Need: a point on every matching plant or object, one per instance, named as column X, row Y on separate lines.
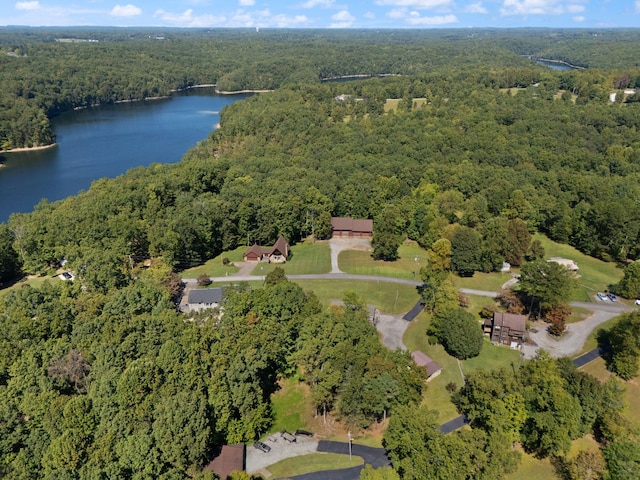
column 238, row 92
column 27, row 149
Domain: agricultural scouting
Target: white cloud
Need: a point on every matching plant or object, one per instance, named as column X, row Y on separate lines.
column 531, row 7
column 397, row 13
column 239, row 18
column 342, row 19
column 475, row 8
column 246, row 3
column 125, row 11
column 578, row 19
column 27, row 5
column 637, row 6
column 421, row 4
column 437, row 20
column 318, row 3
column 371, row 15
column 575, row 8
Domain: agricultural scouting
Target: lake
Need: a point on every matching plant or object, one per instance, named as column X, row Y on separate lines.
column 106, row 141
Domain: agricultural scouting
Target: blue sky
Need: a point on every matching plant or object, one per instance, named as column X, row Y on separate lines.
column 324, row 13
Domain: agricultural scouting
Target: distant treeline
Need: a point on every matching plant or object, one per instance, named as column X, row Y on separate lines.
column 42, row 76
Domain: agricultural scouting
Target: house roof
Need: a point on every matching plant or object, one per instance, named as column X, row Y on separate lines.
column 256, row 249
column 281, row 246
column 423, row 360
column 512, row 320
column 206, row 295
column 352, row 224
column 230, row 459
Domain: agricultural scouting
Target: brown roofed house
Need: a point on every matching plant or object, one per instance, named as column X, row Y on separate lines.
column 351, row 227
column 422, row 360
column 231, row 458
column 276, row 254
column 508, row 329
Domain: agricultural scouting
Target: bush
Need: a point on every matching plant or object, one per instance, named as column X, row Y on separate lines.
column 203, row 280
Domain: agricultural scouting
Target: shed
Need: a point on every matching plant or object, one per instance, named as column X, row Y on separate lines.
column 230, row 458
column 432, row 367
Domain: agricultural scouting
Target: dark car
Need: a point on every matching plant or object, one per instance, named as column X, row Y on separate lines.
column 612, row 297
column 262, row 446
column 304, row 433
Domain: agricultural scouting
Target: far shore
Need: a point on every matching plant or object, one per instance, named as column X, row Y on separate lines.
column 237, row 92
column 28, row 149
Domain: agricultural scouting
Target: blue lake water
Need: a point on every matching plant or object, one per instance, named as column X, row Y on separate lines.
column 106, row 141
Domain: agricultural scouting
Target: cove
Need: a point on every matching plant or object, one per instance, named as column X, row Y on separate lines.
column 106, row 141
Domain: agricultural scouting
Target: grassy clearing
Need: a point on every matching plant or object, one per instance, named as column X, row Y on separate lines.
column 359, row 262
column 307, row 257
column 315, row 462
column 35, row 282
column 592, row 341
column 391, row 105
column 214, row 267
column 532, row 468
column 289, row 405
column 598, row 369
column 390, row 298
column 436, row 395
column 491, row 282
column 492, row 357
column 595, row 275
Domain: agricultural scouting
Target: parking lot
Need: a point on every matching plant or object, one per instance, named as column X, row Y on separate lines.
column 280, row 449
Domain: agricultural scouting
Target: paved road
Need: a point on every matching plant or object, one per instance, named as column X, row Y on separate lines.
column 314, row 276
column 414, row 312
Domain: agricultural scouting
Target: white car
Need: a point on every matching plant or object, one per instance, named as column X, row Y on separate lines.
column 602, row 297
column 638, row 301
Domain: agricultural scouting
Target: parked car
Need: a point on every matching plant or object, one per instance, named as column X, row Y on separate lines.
column 304, row 433
column 262, row 446
column 602, row 297
column 288, row 437
column 638, row 301
column 612, row 297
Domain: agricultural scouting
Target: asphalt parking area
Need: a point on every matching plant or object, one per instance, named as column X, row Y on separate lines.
column 256, row 460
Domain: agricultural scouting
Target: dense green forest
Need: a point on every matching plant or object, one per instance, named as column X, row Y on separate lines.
column 481, row 149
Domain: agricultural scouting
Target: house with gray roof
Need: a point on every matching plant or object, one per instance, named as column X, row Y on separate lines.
column 204, row 298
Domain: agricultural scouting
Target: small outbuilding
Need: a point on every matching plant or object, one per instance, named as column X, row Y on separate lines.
column 351, row 227
column 229, row 458
column 432, row 367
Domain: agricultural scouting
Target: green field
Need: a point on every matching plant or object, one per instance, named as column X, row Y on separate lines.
column 359, row 262
column 594, row 275
column 315, row 462
column 289, row 405
column 388, row 297
column 305, row 258
column 214, row 267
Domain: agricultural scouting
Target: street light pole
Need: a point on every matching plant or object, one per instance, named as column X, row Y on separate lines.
column 350, row 440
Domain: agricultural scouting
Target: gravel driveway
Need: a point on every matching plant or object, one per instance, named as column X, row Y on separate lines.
column 392, row 329
column 346, row 243
column 256, row 460
column 575, row 334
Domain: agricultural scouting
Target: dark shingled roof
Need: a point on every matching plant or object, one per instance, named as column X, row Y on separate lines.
column 206, row 295
column 423, row 360
column 352, row 224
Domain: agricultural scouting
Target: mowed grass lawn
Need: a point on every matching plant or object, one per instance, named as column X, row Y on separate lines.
column 359, row 262
column 307, row 257
column 214, row 267
column 595, row 275
column 315, row 462
column 388, row 297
